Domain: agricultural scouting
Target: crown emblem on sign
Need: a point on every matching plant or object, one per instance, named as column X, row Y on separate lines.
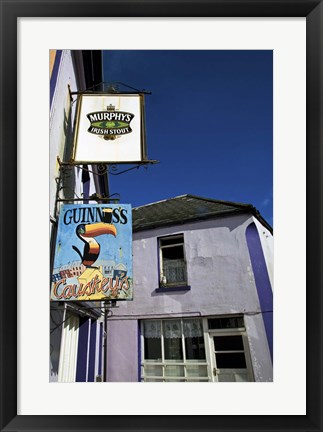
column 111, row 107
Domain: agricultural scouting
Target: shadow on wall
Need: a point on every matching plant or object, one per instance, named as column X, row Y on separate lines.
column 56, row 318
column 230, row 221
column 181, row 290
column 68, row 173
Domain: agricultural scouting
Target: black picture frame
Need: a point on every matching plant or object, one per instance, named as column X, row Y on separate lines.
column 10, row 11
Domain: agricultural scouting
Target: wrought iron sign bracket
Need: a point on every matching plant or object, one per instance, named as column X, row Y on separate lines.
column 93, row 197
column 112, row 88
column 104, row 167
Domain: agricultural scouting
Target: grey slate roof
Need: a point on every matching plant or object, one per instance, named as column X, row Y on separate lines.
column 187, row 208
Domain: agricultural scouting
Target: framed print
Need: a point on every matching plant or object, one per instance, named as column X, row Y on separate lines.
column 28, row 400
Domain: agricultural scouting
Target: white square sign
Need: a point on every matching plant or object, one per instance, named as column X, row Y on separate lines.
column 109, row 128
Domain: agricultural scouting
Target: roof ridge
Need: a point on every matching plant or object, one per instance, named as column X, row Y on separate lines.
column 157, row 202
column 221, row 201
column 232, row 203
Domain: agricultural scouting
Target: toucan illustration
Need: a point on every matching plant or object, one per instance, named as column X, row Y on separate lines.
column 87, row 232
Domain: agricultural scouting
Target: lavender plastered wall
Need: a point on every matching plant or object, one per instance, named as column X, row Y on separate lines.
column 221, row 282
column 218, row 265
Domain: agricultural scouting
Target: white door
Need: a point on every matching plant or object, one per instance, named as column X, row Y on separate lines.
column 229, row 357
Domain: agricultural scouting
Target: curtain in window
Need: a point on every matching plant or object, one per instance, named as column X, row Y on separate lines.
column 152, row 329
column 192, row 328
column 172, row 329
column 174, row 270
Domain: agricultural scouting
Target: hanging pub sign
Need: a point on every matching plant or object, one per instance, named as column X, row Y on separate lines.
column 110, row 128
column 93, row 253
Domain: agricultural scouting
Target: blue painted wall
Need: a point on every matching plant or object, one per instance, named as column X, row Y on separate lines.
column 82, row 351
column 263, row 285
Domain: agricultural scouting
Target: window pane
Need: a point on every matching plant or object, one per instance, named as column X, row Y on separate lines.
column 174, row 371
column 173, row 262
column 171, row 240
column 152, row 329
column 196, row 371
column 173, row 253
column 173, row 349
column 174, row 270
column 153, row 349
column 194, row 347
column 223, row 323
column 231, row 361
column 228, row 343
column 152, row 370
column 172, row 329
column 192, row 327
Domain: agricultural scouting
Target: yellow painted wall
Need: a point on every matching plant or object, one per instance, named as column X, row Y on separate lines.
column 52, row 55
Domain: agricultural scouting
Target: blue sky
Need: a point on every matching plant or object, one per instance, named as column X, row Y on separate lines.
column 209, row 121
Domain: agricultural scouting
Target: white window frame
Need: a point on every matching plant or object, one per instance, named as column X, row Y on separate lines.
column 162, row 281
column 209, row 361
column 165, row 362
column 237, row 331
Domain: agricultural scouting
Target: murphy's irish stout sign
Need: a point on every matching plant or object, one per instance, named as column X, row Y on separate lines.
column 110, row 124
column 110, row 128
column 93, row 254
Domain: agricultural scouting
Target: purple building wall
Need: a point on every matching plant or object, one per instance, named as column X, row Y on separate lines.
column 221, row 280
column 122, row 340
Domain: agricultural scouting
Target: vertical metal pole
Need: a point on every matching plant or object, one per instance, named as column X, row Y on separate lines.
column 105, row 346
column 105, row 343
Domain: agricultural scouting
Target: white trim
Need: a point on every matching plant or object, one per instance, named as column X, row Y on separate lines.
column 68, row 352
column 245, row 350
column 164, row 362
column 179, row 236
column 209, row 361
